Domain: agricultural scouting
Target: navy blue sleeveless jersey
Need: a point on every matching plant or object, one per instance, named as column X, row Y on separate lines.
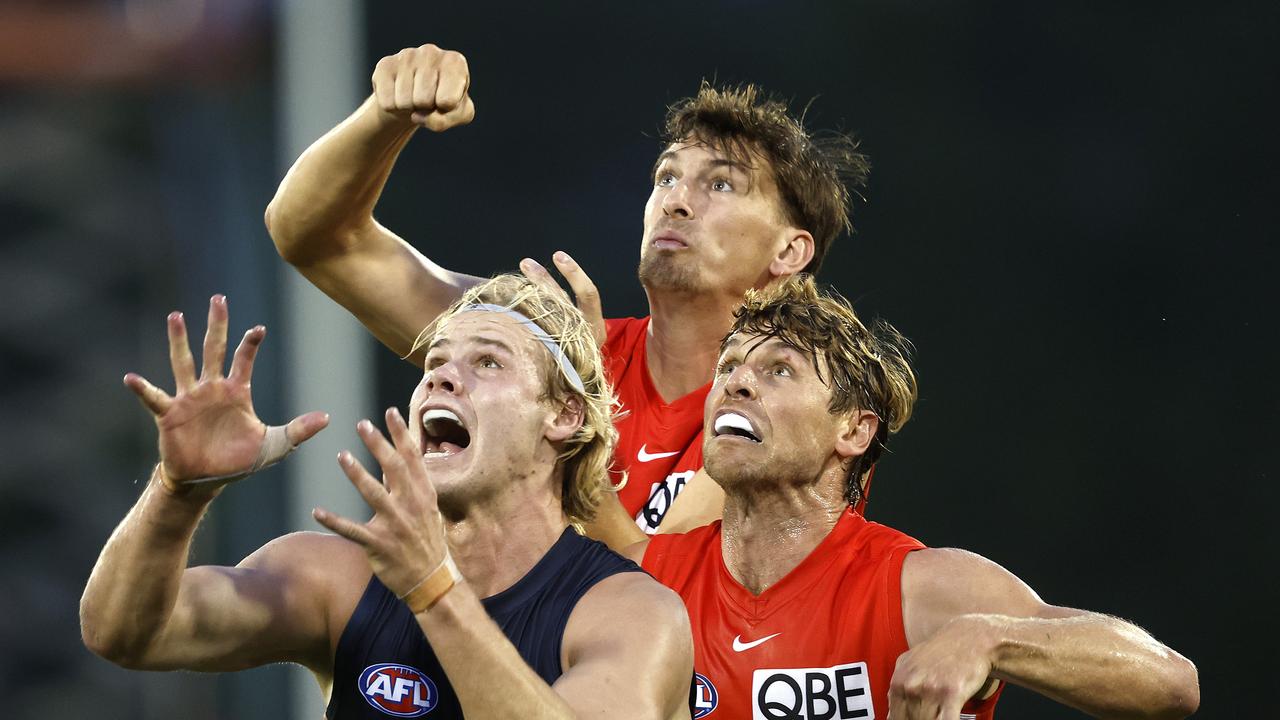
column 384, row 667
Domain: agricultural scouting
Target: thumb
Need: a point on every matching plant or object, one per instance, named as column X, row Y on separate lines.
column 585, row 293
column 304, row 427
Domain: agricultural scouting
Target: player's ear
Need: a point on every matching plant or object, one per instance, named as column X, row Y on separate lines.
column 568, row 417
column 795, row 255
column 855, row 433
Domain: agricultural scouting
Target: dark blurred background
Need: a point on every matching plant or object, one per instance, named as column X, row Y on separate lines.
column 1067, row 214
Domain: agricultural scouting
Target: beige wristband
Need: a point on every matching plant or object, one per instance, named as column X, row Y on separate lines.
column 434, row 586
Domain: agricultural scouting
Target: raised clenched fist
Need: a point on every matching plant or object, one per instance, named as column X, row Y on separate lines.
column 426, row 86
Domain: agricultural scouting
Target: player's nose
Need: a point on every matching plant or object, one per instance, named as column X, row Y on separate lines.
column 675, row 204
column 741, row 383
column 443, row 378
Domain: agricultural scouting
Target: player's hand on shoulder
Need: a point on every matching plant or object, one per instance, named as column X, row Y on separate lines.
column 426, row 86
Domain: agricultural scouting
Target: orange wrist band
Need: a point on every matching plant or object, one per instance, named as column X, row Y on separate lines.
column 427, row 593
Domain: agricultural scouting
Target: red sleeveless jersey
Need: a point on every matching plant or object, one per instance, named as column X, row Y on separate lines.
column 659, row 443
column 820, row 644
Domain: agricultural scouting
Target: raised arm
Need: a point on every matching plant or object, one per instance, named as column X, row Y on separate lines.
column 142, row 607
column 969, row 620
column 321, row 218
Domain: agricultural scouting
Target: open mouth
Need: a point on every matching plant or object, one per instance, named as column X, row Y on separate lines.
column 735, row 424
column 443, row 433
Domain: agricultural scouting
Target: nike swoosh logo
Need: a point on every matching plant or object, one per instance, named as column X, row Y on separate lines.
column 643, row 456
column 739, row 646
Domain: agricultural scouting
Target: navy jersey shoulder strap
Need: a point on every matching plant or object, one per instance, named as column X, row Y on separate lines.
column 535, row 611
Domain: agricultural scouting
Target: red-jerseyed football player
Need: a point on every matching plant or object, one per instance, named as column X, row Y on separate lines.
column 741, row 195
column 801, row 608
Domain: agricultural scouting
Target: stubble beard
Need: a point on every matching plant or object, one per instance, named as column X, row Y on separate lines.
column 663, row 271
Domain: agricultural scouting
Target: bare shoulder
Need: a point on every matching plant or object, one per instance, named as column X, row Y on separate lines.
column 300, row 553
column 950, row 569
column 939, row 584
column 630, row 634
column 324, row 571
column 626, row 606
column 637, row 595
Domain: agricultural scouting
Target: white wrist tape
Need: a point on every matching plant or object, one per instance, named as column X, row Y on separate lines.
column 275, row 447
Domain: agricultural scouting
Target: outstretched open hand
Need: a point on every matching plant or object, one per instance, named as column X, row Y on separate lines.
column 208, row 428
column 405, row 539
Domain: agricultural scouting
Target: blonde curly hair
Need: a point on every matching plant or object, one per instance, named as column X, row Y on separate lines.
column 587, row 453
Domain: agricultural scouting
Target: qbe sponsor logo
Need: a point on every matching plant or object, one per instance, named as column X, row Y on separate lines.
column 705, row 698
column 840, row 692
column 398, row 690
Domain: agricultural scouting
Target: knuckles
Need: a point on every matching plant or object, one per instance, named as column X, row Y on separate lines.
column 913, row 681
column 423, row 57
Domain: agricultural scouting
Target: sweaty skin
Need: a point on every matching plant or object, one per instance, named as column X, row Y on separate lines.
column 969, row 622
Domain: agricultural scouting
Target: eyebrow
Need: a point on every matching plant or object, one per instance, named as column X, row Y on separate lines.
column 717, row 163
column 767, row 344
column 492, row 342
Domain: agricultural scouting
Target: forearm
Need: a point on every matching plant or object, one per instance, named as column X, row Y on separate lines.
column 478, row 657
column 613, row 526
column 1101, row 665
column 331, row 190
column 134, row 585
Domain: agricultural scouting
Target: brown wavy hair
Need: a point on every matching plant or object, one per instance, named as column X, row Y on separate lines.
column 813, row 172
column 867, row 367
column 586, row 454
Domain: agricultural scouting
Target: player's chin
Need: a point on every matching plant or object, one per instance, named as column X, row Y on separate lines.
column 730, row 460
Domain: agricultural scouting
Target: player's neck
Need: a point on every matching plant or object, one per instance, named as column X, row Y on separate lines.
column 499, row 541
column 767, row 534
column 684, row 340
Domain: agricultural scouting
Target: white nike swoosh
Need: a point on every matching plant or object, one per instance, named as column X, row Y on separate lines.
column 643, row 456
column 739, row 646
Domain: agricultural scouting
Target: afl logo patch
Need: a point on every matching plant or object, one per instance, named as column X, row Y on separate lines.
column 705, row 698
column 398, row 690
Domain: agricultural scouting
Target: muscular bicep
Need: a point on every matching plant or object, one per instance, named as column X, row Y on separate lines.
column 940, row 584
column 272, row 607
column 628, row 651
column 390, row 287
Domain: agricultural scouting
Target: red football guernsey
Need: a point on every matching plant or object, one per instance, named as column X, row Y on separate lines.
column 659, row 443
column 820, row 644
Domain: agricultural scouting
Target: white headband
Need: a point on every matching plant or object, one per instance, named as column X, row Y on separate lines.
column 557, row 352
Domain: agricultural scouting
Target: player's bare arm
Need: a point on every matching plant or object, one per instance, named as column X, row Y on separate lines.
column 615, row 528
column 628, row 651
column 969, row 621
column 142, row 607
column 321, row 218
column 407, row 548
column 701, row 502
